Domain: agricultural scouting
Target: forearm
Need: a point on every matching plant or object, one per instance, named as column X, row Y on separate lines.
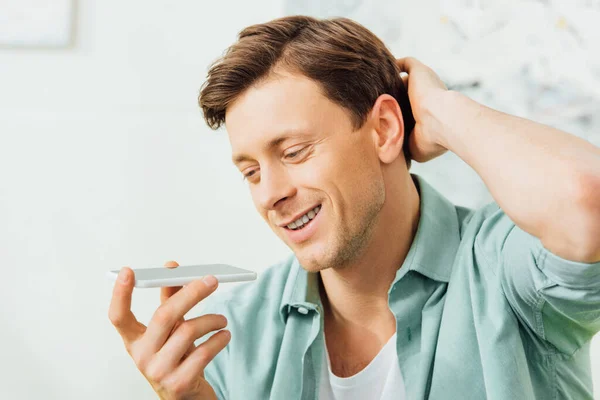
column 547, row 181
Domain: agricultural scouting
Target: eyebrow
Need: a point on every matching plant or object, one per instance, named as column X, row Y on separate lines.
column 276, row 141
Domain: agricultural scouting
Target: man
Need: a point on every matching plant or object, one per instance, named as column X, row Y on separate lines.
column 392, row 291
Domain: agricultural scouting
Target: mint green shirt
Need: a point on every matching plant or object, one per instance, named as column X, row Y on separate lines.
column 482, row 310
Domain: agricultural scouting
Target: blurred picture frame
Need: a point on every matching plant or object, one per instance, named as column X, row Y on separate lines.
column 43, row 24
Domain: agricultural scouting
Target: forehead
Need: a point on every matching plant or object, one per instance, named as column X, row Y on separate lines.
column 282, row 104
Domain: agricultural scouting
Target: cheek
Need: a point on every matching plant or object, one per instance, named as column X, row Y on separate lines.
column 343, row 173
column 355, row 172
column 360, row 184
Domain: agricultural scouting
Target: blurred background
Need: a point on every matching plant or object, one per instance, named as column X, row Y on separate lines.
column 105, row 160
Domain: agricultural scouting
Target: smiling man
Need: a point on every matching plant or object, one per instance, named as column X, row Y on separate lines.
column 391, row 292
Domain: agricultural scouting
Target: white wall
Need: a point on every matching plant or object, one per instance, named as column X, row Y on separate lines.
column 105, row 161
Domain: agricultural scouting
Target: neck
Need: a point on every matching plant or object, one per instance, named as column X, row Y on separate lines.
column 356, row 296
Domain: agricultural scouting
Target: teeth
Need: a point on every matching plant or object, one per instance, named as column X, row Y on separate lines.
column 305, row 218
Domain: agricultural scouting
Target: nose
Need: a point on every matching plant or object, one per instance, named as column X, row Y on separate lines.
column 274, row 187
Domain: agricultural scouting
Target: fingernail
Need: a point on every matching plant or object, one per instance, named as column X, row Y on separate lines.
column 210, row 281
column 123, row 277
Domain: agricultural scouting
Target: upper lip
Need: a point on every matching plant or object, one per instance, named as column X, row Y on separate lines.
column 297, row 216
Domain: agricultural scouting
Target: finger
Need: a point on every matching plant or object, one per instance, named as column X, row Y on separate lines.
column 119, row 311
column 191, row 347
column 179, row 343
column 173, row 310
column 407, row 63
column 197, row 361
column 166, row 292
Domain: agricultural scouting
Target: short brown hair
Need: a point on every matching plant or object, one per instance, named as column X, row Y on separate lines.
column 350, row 63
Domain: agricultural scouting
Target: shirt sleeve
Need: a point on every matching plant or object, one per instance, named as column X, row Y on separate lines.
column 215, row 371
column 557, row 298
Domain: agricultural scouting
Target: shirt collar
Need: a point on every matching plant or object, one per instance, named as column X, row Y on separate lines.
column 431, row 253
column 436, row 241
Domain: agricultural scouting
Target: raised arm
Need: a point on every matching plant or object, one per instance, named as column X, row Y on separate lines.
column 546, row 180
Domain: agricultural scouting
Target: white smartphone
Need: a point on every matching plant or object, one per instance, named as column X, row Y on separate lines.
column 163, row 276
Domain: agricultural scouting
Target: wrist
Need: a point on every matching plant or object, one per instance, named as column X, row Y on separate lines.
column 439, row 109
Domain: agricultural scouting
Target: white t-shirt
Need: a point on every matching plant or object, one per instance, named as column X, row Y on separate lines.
column 380, row 380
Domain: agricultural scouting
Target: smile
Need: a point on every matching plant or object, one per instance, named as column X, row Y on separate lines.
column 304, row 220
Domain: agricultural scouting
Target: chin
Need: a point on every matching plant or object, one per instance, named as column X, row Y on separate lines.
column 312, row 261
column 309, row 263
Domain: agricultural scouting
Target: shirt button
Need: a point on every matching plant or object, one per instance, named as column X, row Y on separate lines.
column 303, row 310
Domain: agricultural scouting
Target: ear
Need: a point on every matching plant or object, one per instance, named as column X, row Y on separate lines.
column 388, row 128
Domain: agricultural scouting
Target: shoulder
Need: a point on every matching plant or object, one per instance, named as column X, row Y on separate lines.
column 492, row 234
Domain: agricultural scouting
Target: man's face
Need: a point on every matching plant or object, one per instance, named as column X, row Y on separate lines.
column 304, row 162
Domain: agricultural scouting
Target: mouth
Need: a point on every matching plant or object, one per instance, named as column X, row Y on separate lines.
column 304, row 227
column 304, row 220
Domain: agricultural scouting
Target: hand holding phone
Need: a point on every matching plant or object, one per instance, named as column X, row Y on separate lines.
column 164, row 351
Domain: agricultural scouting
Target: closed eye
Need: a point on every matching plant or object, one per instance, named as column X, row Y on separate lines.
column 249, row 174
column 294, row 154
